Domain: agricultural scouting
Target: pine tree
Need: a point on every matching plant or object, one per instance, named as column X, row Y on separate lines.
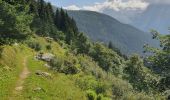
column 15, row 23
column 74, row 26
column 33, row 7
column 41, row 9
column 63, row 21
column 57, row 18
column 110, row 46
column 49, row 13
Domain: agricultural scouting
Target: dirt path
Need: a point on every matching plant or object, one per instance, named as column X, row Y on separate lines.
column 23, row 75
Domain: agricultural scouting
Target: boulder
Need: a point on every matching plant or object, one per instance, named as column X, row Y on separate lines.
column 43, row 74
column 45, row 56
column 48, row 66
column 39, row 89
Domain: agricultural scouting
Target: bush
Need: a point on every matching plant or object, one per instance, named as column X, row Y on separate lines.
column 64, row 65
column 69, row 68
column 142, row 78
column 57, row 63
column 48, row 47
column 100, row 97
column 58, row 36
column 1, row 49
column 141, row 96
column 107, row 59
column 14, row 22
column 91, row 95
column 35, row 45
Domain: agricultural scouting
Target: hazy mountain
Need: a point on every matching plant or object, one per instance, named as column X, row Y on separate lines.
column 156, row 16
column 101, row 27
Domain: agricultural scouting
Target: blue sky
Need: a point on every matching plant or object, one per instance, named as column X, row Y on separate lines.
column 65, row 3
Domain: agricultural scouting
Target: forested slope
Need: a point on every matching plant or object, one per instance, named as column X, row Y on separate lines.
column 103, row 28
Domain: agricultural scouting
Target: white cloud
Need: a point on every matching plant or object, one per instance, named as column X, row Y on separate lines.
column 113, row 4
column 158, row 1
column 118, row 5
column 96, row 7
column 72, row 7
column 123, row 10
column 126, row 5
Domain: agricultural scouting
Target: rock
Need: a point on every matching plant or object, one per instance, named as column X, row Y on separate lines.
column 43, row 74
column 49, row 39
column 48, row 66
column 15, row 44
column 39, row 89
column 45, row 57
column 19, row 88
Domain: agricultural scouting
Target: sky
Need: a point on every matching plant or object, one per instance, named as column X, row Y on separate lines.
column 123, row 10
column 80, row 3
column 101, row 5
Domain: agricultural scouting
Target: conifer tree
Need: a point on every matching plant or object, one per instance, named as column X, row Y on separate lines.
column 57, row 18
column 41, row 9
column 49, row 13
column 15, row 22
column 33, row 7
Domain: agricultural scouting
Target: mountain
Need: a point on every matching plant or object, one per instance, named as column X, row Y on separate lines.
column 156, row 16
column 101, row 27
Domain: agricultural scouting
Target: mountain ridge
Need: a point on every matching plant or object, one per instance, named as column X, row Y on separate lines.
column 104, row 28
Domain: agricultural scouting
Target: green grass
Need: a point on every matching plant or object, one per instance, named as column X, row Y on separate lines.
column 10, row 67
column 60, row 87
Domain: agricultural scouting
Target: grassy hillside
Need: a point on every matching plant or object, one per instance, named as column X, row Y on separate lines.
column 11, row 65
column 43, row 56
column 103, row 28
column 61, row 86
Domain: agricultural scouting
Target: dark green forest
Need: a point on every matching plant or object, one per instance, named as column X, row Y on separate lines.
column 100, row 71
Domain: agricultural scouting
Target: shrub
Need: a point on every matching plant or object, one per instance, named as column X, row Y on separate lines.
column 64, row 65
column 14, row 23
column 140, row 76
column 100, row 97
column 69, row 67
column 1, row 49
column 91, row 95
column 35, row 45
column 141, row 96
column 56, row 63
column 58, row 35
column 48, row 47
column 107, row 59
